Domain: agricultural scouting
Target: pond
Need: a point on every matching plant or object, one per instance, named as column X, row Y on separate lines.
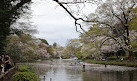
column 67, row 70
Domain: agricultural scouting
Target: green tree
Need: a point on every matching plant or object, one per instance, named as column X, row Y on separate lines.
column 44, row 41
column 133, row 23
column 54, row 44
column 10, row 11
column 73, row 45
column 79, row 54
column 50, row 50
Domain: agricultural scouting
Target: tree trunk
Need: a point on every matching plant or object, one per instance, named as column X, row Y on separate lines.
column 127, row 43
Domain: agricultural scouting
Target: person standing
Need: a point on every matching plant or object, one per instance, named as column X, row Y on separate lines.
column 7, row 62
column 2, row 62
column 83, row 67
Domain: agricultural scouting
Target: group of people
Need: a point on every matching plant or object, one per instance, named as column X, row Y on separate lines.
column 4, row 62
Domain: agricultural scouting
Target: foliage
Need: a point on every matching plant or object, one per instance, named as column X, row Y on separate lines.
column 112, row 58
column 79, row 55
column 25, row 68
column 50, row 49
column 26, row 73
column 25, row 48
column 72, row 47
column 44, row 41
column 110, row 26
column 134, row 46
column 133, row 22
column 54, row 44
column 16, row 48
column 113, row 25
column 25, row 76
column 10, row 11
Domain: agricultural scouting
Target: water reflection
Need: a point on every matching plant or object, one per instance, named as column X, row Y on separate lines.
column 110, row 76
column 62, row 70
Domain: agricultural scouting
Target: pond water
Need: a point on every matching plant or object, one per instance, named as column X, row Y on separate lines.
column 67, row 70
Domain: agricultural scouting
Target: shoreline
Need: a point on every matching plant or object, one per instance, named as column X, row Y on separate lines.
column 117, row 63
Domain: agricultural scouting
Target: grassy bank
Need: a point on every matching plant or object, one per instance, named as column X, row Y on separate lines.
column 119, row 63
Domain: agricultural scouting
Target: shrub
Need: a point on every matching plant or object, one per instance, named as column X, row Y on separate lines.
column 112, row 58
column 26, row 73
column 125, row 58
column 25, row 68
column 25, row 76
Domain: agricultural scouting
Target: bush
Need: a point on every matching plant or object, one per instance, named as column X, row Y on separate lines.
column 25, row 76
column 125, row 58
column 25, row 68
column 26, row 73
column 112, row 58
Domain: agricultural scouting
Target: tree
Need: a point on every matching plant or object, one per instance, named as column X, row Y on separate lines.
column 54, row 44
column 14, row 48
column 133, row 23
column 113, row 15
column 25, row 48
column 10, row 11
column 72, row 47
column 44, row 41
column 50, row 50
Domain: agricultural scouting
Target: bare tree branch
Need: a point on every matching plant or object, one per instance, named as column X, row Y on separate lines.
column 118, row 18
column 76, row 19
column 124, row 15
column 80, row 1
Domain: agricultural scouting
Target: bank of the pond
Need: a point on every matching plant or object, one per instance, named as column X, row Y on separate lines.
column 119, row 63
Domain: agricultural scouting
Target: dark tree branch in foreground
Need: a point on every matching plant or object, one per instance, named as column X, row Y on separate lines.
column 78, row 19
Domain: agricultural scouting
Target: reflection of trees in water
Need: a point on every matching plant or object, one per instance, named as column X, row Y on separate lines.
column 74, row 72
column 44, row 69
column 130, row 75
column 110, row 76
column 91, row 76
column 41, row 69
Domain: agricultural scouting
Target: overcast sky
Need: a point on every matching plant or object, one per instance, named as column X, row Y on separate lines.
column 53, row 23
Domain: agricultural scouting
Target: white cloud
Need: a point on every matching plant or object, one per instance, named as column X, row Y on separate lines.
column 53, row 23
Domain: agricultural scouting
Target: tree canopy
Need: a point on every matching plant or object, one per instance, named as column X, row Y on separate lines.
column 10, row 11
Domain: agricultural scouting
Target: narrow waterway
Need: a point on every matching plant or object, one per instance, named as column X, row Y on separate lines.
column 67, row 70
